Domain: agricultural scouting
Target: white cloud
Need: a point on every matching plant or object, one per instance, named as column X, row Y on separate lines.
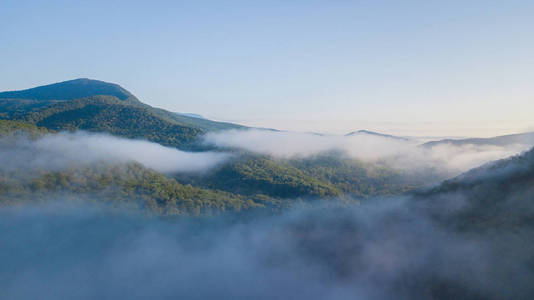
column 57, row 151
column 403, row 154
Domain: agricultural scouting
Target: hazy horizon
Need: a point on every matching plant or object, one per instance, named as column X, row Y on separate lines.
column 421, row 130
column 412, row 68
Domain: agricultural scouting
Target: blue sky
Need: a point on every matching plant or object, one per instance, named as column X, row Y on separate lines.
column 403, row 67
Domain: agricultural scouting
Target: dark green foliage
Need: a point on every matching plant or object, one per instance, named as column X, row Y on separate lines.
column 72, row 89
column 130, row 185
column 13, row 128
column 354, row 177
column 497, row 195
column 105, row 114
column 329, row 175
column 257, row 174
column 18, row 108
column 323, row 176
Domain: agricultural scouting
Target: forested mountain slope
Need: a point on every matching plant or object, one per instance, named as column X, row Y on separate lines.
column 498, row 194
column 97, row 106
column 124, row 185
column 108, row 114
column 103, row 107
column 10, row 128
column 328, row 175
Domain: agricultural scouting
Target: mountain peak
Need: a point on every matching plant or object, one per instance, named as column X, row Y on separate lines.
column 71, row 89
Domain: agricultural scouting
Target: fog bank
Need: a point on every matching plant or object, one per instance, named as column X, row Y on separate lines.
column 63, row 150
column 383, row 250
column 404, row 154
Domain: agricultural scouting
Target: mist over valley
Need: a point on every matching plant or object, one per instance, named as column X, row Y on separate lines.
column 105, row 197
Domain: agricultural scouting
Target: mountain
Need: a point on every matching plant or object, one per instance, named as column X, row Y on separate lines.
column 468, row 238
column 274, row 183
column 108, row 108
column 367, row 132
column 128, row 185
column 497, row 195
column 72, row 89
column 99, row 106
column 503, row 140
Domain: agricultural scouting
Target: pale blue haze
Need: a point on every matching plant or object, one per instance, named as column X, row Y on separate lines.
column 403, row 67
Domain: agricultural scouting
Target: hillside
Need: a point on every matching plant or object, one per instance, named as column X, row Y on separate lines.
column 109, row 108
column 103, row 107
column 11, row 128
column 279, row 183
column 254, row 174
column 498, row 194
column 107, row 114
column 322, row 176
column 125, row 185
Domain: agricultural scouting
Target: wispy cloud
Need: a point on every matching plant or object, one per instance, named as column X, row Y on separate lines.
column 58, row 151
column 405, row 154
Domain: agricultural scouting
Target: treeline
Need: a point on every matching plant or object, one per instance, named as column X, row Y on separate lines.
column 321, row 176
column 497, row 195
column 126, row 185
column 355, row 177
column 248, row 181
column 110, row 115
column 14, row 128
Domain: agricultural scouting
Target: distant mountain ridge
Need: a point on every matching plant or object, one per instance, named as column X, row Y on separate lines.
column 503, row 140
column 368, row 132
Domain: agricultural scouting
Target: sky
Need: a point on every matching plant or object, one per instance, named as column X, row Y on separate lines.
column 424, row 68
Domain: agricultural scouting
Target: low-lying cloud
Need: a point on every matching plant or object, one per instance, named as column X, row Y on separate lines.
column 452, row 244
column 398, row 153
column 63, row 150
column 379, row 250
